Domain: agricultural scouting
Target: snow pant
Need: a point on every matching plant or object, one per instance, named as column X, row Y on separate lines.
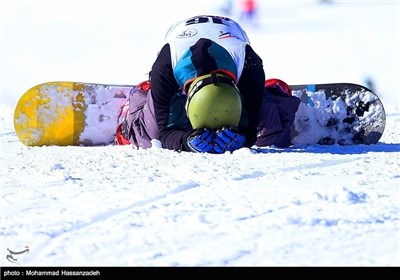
column 276, row 119
column 142, row 126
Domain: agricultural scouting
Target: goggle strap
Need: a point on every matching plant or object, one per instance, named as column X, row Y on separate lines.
column 213, row 79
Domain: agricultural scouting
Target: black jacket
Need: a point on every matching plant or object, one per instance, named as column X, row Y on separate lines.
column 164, row 89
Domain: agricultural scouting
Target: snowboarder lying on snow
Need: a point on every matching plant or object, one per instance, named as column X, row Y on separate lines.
column 207, row 93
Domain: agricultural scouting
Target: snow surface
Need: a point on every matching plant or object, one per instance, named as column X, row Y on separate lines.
column 94, row 112
column 313, row 117
column 118, row 206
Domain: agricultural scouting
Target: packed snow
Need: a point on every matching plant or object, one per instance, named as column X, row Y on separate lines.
column 323, row 117
column 120, row 206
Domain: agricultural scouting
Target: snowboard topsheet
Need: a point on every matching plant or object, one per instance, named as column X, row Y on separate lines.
column 73, row 113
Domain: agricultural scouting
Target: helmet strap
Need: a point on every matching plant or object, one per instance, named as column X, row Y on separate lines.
column 214, row 78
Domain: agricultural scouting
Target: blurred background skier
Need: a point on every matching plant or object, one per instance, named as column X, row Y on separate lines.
column 227, row 8
column 248, row 12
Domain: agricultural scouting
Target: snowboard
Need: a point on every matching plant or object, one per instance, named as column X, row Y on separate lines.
column 63, row 113
column 69, row 114
column 338, row 113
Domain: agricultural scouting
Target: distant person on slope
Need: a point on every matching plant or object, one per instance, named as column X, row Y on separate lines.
column 227, row 8
column 248, row 11
column 207, row 93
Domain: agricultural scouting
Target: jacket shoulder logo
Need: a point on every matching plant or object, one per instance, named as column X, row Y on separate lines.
column 187, row 33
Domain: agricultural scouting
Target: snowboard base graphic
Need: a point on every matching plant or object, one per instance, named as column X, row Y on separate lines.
column 87, row 114
column 341, row 113
column 69, row 113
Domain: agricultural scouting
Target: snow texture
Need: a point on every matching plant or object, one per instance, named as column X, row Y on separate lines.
column 119, row 206
column 102, row 112
column 320, row 117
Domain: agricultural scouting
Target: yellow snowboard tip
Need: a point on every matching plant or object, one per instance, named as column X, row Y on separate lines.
column 50, row 114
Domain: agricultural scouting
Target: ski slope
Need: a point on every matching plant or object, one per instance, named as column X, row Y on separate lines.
column 119, row 206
